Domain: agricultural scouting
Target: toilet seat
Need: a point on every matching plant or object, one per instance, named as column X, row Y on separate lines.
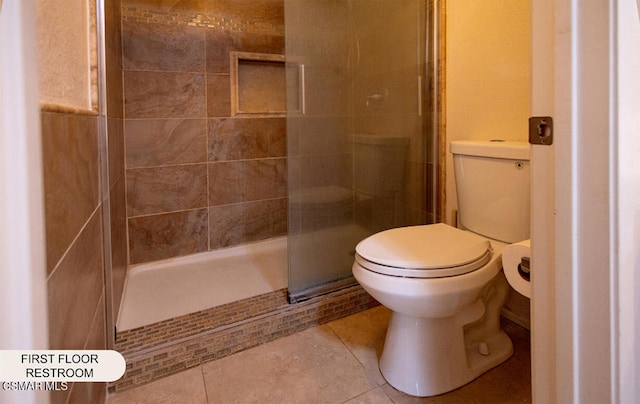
column 428, row 251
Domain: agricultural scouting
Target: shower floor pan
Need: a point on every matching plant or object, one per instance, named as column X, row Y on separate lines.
column 167, row 289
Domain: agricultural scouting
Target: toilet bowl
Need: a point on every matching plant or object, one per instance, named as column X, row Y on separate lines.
column 444, row 329
column 445, row 285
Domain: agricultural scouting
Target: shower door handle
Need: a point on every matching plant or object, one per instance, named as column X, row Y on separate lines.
column 303, row 90
column 419, row 95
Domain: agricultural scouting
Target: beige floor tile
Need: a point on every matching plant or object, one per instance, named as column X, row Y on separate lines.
column 183, row 387
column 521, row 338
column 364, row 335
column 312, row 366
column 506, row 384
column 510, row 382
column 375, row 396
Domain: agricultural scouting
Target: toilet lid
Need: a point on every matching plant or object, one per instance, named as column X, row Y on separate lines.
column 428, row 251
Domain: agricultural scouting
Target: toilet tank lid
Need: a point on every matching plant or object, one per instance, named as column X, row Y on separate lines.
column 504, row 149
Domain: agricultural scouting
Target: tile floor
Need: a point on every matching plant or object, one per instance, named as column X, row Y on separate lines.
column 333, row 363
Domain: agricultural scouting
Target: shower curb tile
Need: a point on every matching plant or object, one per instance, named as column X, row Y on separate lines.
column 151, row 367
column 144, row 379
column 263, row 319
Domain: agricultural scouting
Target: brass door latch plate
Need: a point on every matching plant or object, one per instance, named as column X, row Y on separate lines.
column 541, row 130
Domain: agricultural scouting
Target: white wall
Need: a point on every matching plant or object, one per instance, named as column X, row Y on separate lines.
column 23, row 321
column 488, row 75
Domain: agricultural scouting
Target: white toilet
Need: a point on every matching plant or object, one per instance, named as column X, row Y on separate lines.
column 445, row 285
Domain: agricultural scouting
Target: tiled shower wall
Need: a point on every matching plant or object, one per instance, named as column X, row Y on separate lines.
column 73, row 222
column 197, row 177
column 74, row 158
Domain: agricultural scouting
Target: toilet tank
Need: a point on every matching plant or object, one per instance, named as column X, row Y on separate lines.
column 493, row 187
column 379, row 163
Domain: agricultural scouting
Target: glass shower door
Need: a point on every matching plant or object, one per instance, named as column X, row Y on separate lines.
column 358, row 131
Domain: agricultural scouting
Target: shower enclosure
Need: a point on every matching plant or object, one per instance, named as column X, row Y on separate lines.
column 207, row 171
column 361, row 130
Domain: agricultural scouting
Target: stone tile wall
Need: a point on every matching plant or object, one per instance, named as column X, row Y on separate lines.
column 198, row 178
column 73, row 223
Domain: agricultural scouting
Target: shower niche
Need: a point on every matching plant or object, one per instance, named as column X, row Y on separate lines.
column 258, row 84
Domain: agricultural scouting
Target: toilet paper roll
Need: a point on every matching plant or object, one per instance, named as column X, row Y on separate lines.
column 511, row 260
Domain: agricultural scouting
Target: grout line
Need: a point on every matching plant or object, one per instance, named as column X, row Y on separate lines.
column 204, row 383
column 98, row 208
column 206, row 207
column 364, row 368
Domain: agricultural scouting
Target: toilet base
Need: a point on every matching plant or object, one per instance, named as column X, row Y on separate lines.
column 430, row 356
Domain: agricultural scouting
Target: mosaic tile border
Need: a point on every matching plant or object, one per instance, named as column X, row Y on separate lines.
column 172, row 356
column 149, row 15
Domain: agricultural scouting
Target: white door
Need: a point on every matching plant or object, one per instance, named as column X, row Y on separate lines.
column 586, row 208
